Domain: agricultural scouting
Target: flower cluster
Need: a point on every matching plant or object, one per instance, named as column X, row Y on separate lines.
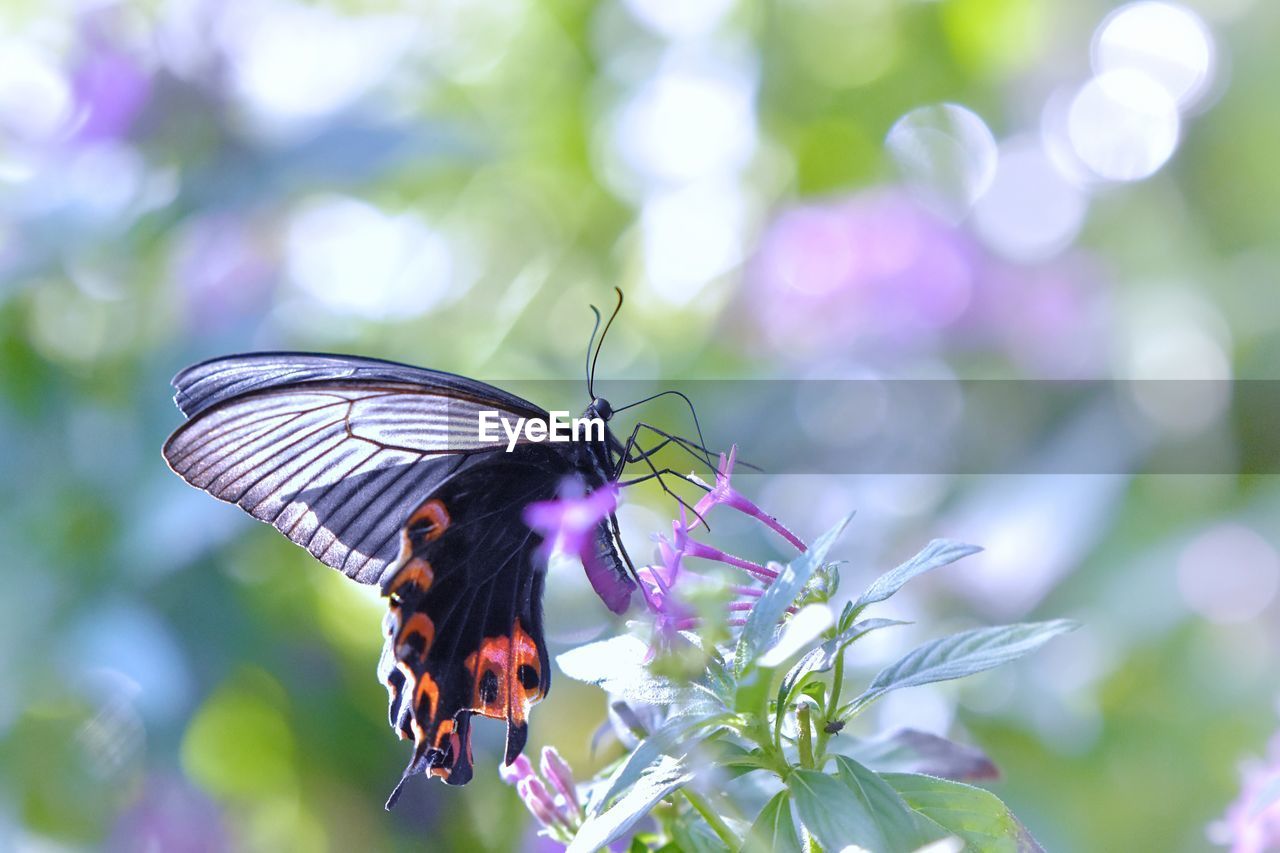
column 552, row 797
column 765, row 701
column 658, row 581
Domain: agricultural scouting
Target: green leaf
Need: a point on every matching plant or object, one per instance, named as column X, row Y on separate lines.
column 719, row 679
column 752, row 693
column 963, row 654
column 822, row 658
column 975, row 815
column 734, row 759
column 804, row 626
column 666, row 741
column 617, row 665
column 938, row 553
column 661, row 779
column 775, row 830
column 857, row 807
column 692, row 834
column 762, row 621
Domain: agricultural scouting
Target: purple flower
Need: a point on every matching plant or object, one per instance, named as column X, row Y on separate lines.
column 1252, row 822
column 570, row 524
column 658, row 582
column 872, row 269
column 111, row 91
column 224, row 274
column 724, row 493
column 519, row 769
column 556, row 771
column 876, row 271
column 560, row 814
column 539, row 802
column 171, row 814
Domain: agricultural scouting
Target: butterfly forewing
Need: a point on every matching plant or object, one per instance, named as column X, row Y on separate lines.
column 211, row 382
column 334, row 455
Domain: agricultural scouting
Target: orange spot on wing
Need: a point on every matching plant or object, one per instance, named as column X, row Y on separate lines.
column 415, row 572
column 431, row 519
column 427, row 690
column 443, row 733
column 416, row 637
column 428, row 522
column 507, row 676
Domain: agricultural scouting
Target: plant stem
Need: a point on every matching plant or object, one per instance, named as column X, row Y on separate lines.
column 833, row 703
column 837, row 681
column 717, row 824
column 806, row 742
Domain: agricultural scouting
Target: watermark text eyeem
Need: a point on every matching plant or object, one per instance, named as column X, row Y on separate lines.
column 557, row 427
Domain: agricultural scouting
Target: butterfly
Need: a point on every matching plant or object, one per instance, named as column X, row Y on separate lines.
column 381, row 471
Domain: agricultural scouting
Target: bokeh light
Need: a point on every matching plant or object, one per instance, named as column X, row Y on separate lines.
column 352, row 257
column 1031, row 211
column 687, row 123
column 680, row 20
column 1166, row 42
column 1123, row 125
column 1228, row 574
column 947, row 154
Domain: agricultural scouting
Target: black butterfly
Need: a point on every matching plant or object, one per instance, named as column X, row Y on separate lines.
column 378, row 470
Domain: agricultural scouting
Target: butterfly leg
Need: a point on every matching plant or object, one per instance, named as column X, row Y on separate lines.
column 627, row 457
column 657, row 474
column 693, row 448
column 689, row 445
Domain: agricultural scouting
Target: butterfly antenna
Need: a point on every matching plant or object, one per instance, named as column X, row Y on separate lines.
column 591, row 375
column 591, row 343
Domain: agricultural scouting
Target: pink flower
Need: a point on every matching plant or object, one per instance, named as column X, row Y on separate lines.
column 570, row 524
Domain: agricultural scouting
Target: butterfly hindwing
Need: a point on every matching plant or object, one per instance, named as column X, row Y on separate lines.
column 464, row 629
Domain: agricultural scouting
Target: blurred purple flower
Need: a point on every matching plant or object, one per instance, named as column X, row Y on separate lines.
column 519, row 769
column 558, row 773
column 1049, row 319
column 538, row 800
column 170, row 815
column 1252, row 822
column 222, row 272
column 877, row 270
column 870, row 268
column 569, row 525
column 111, row 90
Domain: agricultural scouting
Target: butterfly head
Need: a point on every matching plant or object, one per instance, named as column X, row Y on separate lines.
column 599, row 408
